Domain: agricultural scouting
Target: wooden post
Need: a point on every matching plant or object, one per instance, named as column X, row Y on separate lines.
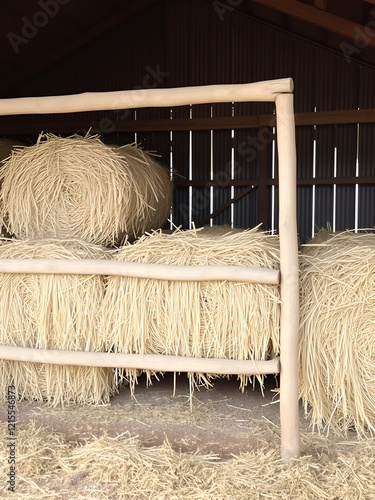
column 289, row 409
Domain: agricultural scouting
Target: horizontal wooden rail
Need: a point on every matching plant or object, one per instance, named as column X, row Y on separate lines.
column 219, row 123
column 157, row 362
column 141, row 270
column 329, row 181
column 301, row 181
column 144, row 98
column 338, row 117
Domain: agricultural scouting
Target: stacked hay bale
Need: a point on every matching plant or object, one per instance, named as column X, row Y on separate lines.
column 204, row 319
column 337, row 348
column 82, row 194
column 52, row 312
column 77, row 187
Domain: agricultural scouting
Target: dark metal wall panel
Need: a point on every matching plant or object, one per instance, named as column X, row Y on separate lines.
column 366, row 207
column 245, row 153
column 325, row 150
column 246, row 210
column 323, row 215
column 200, row 44
column 304, row 212
column 180, row 164
column 305, row 154
column 325, row 80
column 305, row 151
column 366, row 148
column 273, row 200
column 200, row 204
column 366, row 87
column 324, row 167
column 221, row 196
column 253, row 59
column 296, row 59
column 181, row 205
column 345, row 208
column 346, row 143
column 347, row 84
column 366, row 160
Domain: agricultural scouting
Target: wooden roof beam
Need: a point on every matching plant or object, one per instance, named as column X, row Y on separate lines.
column 360, row 35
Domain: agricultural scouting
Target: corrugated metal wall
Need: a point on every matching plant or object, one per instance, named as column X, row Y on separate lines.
column 190, row 42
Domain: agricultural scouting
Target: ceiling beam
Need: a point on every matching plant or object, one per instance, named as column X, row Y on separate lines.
column 322, row 19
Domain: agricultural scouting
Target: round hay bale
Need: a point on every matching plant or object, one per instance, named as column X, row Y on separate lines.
column 77, row 187
column 203, row 319
column 53, row 312
column 337, row 342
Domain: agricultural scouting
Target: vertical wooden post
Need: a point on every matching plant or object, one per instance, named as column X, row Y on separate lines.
column 289, row 409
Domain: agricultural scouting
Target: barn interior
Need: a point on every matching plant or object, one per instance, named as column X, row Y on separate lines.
column 223, row 161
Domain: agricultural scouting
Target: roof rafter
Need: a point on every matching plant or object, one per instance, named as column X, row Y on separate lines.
column 323, row 19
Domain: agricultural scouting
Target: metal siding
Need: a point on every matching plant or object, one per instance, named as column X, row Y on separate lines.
column 324, row 167
column 245, row 153
column 323, row 207
column 201, row 204
column 304, row 212
column 304, row 146
column 181, row 208
column 366, row 151
column 346, row 143
column 366, row 207
column 246, row 209
column 253, row 57
column 276, row 211
column 221, row 196
column 325, row 146
column 345, row 208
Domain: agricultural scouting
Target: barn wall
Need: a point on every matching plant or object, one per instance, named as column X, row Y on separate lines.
column 193, row 42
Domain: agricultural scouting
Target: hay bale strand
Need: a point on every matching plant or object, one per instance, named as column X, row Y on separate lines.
column 77, row 187
column 337, row 343
column 53, row 312
column 203, row 319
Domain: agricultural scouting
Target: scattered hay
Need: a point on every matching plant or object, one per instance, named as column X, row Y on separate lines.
column 79, row 188
column 50, row 466
column 202, row 319
column 52, row 312
column 337, row 343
